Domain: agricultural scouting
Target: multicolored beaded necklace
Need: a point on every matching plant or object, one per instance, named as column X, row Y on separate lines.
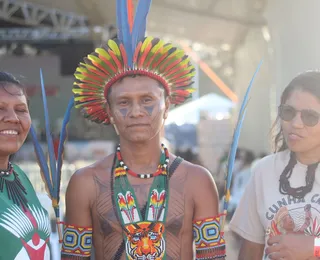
column 161, row 168
column 137, row 228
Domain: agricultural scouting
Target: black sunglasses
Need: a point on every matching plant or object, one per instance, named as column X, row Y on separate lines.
column 309, row 117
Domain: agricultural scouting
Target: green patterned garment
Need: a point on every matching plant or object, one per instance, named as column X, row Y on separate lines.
column 144, row 233
column 24, row 223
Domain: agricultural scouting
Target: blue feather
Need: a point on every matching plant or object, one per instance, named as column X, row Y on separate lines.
column 41, row 159
column 63, row 136
column 140, row 22
column 236, row 135
column 119, row 20
column 124, row 34
column 52, row 159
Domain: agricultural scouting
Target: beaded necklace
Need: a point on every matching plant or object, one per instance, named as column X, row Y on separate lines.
column 11, row 184
column 136, row 227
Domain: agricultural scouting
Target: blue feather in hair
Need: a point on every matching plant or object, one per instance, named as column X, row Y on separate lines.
column 140, row 22
column 234, row 145
column 124, row 33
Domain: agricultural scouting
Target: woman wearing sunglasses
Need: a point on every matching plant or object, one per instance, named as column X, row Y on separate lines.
column 279, row 214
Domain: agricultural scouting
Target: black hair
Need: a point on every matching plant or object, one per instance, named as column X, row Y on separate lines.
column 6, row 79
column 308, row 81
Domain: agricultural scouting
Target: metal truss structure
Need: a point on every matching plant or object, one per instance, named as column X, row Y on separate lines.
column 43, row 34
column 28, row 14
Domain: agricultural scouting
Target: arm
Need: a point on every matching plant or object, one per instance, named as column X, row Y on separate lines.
column 206, row 214
column 78, row 225
column 250, row 251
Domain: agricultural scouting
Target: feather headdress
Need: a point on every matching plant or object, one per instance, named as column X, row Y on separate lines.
column 131, row 54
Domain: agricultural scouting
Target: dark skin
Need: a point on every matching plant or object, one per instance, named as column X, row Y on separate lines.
column 15, row 121
column 138, row 108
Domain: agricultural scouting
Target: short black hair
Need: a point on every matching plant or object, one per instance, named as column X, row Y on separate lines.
column 6, row 79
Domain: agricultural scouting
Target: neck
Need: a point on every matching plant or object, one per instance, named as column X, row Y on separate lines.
column 4, row 160
column 141, row 157
column 309, row 157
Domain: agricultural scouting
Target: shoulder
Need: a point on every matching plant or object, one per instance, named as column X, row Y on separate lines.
column 18, row 170
column 84, row 178
column 271, row 163
column 199, row 179
column 22, row 175
column 196, row 172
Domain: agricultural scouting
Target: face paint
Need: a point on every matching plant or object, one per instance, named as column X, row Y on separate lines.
column 149, row 109
column 124, row 112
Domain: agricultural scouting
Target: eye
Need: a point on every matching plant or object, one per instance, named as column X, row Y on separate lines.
column 123, row 102
column 153, row 235
column 147, row 100
column 22, row 110
column 136, row 237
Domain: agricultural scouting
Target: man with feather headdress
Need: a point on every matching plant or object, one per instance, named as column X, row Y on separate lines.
column 142, row 202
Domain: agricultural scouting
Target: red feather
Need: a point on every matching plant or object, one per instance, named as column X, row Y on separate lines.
column 144, row 55
column 130, row 14
column 136, row 52
column 116, row 60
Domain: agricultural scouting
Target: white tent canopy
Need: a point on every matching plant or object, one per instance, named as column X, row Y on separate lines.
column 215, row 105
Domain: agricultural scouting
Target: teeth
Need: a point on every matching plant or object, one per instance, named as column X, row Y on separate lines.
column 9, row 132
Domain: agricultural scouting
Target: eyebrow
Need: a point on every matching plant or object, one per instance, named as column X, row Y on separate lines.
column 18, row 104
column 126, row 95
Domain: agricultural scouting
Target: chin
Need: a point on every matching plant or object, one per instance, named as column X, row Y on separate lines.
column 139, row 137
column 296, row 148
column 10, row 148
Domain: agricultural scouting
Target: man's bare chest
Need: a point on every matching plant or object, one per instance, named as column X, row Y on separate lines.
column 105, row 215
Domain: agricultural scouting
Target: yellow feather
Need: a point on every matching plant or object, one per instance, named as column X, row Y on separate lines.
column 146, row 42
column 114, row 46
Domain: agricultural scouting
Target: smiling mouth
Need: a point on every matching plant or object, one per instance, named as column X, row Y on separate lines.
column 9, row 132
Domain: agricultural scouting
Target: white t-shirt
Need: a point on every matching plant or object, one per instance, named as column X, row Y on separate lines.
column 264, row 212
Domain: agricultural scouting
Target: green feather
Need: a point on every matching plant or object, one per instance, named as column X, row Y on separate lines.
column 154, row 50
column 114, row 46
column 165, row 50
column 100, row 63
column 176, row 55
column 145, row 43
column 84, row 78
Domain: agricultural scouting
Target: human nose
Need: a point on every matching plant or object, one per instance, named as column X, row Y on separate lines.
column 297, row 121
column 10, row 116
column 136, row 110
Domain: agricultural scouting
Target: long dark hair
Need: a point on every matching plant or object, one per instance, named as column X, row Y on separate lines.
column 7, row 79
column 308, row 81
